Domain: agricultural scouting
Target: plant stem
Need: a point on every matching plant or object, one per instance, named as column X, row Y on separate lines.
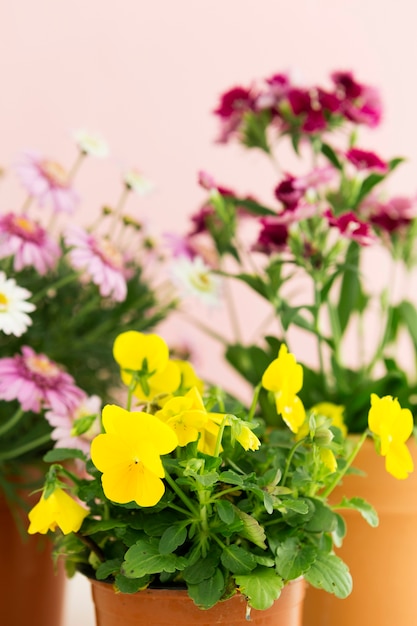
column 65, row 280
column 339, row 475
column 180, row 494
column 92, row 545
column 254, row 403
column 31, row 445
column 289, row 459
column 15, row 419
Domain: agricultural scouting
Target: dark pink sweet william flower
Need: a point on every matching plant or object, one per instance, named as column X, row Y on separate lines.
column 28, row 243
column 393, row 215
column 277, row 87
column 351, row 227
column 36, row 382
column 47, row 181
column 235, row 100
column 289, row 191
column 272, row 237
column 359, row 103
column 233, row 104
column 364, row 160
column 314, row 104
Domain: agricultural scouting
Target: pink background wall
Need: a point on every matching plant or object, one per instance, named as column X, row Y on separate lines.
column 147, row 74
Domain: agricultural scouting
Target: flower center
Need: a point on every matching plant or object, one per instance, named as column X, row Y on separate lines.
column 3, row 303
column 41, row 365
column 201, row 281
column 55, row 173
column 109, row 253
column 24, row 224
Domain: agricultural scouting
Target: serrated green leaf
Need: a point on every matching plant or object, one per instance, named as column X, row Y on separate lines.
column 261, row 587
column 144, row 558
column 207, row 593
column 173, row 537
column 237, row 559
column 363, row 507
column 225, row 511
column 202, row 568
column 330, row 573
column 294, row 558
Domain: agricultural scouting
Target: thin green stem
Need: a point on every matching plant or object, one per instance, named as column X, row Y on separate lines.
column 65, row 280
column 15, row 419
column 339, row 475
column 254, row 403
column 180, row 494
column 289, row 460
column 31, row 445
column 76, row 166
column 220, row 437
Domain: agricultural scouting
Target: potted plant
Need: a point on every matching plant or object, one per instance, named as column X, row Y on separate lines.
column 299, row 256
column 65, row 293
column 186, row 496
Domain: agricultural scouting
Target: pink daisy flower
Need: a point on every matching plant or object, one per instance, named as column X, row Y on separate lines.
column 28, row 243
column 47, row 181
column 100, row 259
column 37, row 382
column 76, row 427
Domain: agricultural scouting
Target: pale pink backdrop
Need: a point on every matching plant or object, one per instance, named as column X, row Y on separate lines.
column 147, row 75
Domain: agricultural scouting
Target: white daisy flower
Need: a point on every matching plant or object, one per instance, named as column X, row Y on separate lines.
column 14, row 307
column 137, row 182
column 194, row 277
column 91, row 143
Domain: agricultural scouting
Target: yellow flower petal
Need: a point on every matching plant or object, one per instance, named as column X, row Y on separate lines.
column 293, row 414
column 128, row 455
column 247, row 439
column 57, row 510
column 131, row 348
column 399, row 461
column 333, row 411
column 328, row 459
column 189, row 378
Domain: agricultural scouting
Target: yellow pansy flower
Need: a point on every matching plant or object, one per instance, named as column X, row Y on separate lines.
column 284, row 377
column 128, row 455
column 186, row 415
column 145, row 358
column 59, row 509
column 328, row 459
column 393, row 426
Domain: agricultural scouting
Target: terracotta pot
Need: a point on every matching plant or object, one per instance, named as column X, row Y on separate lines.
column 31, row 591
column 382, row 560
column 162, row 607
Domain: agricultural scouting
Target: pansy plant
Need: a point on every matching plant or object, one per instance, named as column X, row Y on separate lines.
column 187, row 488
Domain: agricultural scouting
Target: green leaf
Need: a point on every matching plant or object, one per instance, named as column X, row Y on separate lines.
column 350, row 289
column 255, row 130
column 293, row 558
column 323, row 519
column 330, row 155
column 364, row 508
column 207, row 593
column 237, row 559
column 108, row 568
column 131, row 585
column 173, row 537
column 252, row 530
column 144, row 558
column 330, row 573
column 368, row 184
column 202, row 569
column 90, row 527
column 262, row 587
column 408, row 314
column 63, row 454
column 225, row 511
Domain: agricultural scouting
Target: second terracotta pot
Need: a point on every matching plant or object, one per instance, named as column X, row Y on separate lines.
column 382, row 560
